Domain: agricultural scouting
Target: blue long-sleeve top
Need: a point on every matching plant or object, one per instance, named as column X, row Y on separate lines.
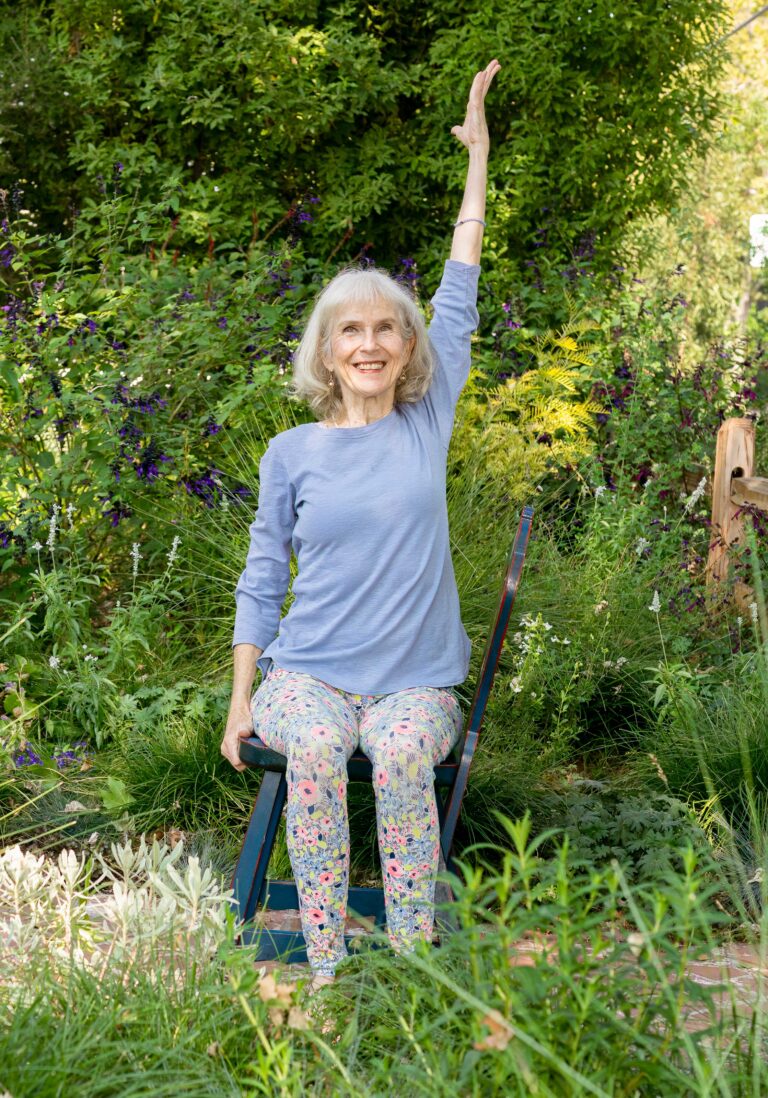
column 375, row 607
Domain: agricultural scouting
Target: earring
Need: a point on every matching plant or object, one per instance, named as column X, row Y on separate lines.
column 330, row 381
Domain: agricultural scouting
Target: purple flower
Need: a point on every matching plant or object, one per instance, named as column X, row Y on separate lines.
column 115, row 510
column 27, row 757
column 205, row 487
column 222, row 322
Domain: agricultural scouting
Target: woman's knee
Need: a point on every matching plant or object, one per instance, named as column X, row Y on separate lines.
column 322, row 748
column 300, row 717
column 411, row 732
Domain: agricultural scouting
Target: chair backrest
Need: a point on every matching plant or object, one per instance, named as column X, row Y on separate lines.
column 487, row 674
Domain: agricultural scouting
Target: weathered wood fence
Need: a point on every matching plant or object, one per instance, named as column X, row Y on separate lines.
column 733, row 488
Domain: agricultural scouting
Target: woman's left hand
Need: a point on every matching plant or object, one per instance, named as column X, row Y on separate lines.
column 473, row 133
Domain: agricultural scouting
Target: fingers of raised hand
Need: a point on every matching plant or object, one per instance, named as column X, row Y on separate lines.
column 482, row 82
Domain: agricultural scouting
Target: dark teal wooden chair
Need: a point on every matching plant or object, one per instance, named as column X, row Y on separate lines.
column 254, row 890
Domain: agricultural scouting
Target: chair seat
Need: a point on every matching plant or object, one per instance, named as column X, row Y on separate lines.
column 359, row 768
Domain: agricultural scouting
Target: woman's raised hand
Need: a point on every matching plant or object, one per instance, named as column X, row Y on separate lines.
column 473, row 133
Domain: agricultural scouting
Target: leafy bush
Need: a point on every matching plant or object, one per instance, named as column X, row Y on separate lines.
column 252, row 111
column 647, row 833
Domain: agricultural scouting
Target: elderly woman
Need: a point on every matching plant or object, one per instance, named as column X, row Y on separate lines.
column 373, row 642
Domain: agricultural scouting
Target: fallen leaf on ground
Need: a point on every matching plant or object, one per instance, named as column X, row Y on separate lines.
column 297, row 1019
column 501, row 1033
column 270, row 991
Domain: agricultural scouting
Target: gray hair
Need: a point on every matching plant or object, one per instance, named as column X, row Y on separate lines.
column 359, row 286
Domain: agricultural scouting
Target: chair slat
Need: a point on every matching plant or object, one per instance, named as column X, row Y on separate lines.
column 255, row 752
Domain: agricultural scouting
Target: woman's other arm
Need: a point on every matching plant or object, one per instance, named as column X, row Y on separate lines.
column 259, row 594
column 239, row 721
column 473, row 134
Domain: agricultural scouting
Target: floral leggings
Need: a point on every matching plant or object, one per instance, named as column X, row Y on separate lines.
column 404, row 734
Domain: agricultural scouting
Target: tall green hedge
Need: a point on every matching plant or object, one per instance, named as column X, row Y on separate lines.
column 242, row 113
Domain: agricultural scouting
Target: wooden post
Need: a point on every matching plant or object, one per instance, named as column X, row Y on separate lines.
column 735, row 457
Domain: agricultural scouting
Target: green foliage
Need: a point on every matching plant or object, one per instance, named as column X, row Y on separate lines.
column 709, row 738
column 598, row 1003
column 647, row 833
column 115, row 385
column 245, row 110
column 531, row 424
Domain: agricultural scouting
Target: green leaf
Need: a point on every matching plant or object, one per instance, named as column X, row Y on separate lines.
column 115, row 797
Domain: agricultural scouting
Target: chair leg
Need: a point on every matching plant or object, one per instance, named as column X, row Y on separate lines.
column 445, row 921
column 251, row 869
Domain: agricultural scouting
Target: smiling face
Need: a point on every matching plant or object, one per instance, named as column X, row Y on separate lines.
column 367, row 355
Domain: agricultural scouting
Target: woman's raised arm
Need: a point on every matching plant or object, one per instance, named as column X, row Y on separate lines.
column 473, row 134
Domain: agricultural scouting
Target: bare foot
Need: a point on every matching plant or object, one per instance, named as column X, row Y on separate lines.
column 317, row 1012
column 318, row 981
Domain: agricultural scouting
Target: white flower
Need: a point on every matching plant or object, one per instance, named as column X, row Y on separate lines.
column 753, row 612
column 135, row 553
column 174, row 550
column 52, row 526
column 515, row 685
column 70, row 513
column 695, row 495
column 739, row 622
column 91, row 659
column 642, row 545
column 37, row 546
column 599, row 490
column 54, row 662
column 655, row 606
